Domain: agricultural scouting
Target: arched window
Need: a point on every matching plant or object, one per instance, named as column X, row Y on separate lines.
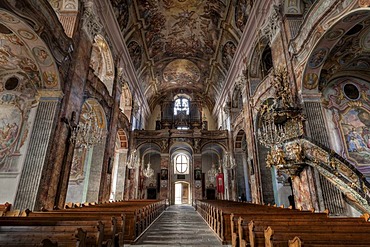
column 181, row 106
column 267, row 62
column 182, row 164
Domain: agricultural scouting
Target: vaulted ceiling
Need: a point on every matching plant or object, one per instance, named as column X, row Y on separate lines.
column 182, row 46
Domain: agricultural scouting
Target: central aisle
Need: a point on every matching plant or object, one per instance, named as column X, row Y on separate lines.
column 179, row 225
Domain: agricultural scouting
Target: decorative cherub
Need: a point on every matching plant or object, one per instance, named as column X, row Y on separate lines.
column 269, row 160
column 279, row 156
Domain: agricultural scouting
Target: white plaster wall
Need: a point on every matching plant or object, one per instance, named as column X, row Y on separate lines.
column 211, row 122
column 150, row 124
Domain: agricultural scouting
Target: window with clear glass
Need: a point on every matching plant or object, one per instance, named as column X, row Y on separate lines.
column 181, row 105
column 182, row 164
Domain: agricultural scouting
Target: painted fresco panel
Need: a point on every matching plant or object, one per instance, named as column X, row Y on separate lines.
column 355, row 128
column 10, row 118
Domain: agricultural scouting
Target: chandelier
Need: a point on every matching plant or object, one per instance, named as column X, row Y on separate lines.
column 228, row 161
column 280, row 120
column 148, row 171
column 88, row 133
column 133, row 160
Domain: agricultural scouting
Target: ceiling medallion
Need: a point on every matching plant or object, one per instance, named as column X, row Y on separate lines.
column 182, row 71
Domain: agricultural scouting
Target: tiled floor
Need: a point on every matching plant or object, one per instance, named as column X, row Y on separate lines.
column 179, row 225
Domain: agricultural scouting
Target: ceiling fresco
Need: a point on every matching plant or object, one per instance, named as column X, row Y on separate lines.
column 351, row 53
column 182, row 44
column 343, row 49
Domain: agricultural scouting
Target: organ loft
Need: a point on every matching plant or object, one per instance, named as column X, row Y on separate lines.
column 226, row 113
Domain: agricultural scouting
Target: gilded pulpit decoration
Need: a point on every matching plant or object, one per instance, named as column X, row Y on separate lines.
column 280, row 120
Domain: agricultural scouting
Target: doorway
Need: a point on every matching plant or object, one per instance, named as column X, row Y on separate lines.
column 182, row 193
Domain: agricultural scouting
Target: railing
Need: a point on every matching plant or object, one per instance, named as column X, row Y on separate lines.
column 298, row 153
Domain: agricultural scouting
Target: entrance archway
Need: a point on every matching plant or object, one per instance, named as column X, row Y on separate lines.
column 182, row 193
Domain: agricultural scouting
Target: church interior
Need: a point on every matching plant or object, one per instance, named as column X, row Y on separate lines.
column 180, row 102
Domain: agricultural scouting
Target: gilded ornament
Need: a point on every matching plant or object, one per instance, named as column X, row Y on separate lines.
column 50, row 79
column 364, row 3
column 310, row 81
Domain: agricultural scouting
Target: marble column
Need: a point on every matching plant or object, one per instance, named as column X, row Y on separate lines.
column 36, row 156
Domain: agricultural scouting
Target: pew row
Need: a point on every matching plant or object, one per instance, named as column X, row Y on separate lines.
column 106, row 224
column 246, row 224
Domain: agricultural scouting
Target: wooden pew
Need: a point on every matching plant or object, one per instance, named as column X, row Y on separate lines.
column 248, row 224
column 22, row 231
column 329, row 232
column 119, row 222
column 221, row 211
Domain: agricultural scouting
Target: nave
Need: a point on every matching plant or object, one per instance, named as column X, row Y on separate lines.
column 179, row 225
column 151, row 223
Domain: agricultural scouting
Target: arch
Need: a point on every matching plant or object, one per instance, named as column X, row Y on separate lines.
column 93, row 110
column 28, row 76
column 40, row 67
column 240, row 141
column 316, row 74
column 256, row 65
column 102, row 62
column 84, row 178
column 117, row 166
column 122, row 138
column 347, row 100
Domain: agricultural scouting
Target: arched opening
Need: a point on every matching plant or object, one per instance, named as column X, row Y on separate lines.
column 266, row 61
column 211, row 166
column 181, row 170
column 150, row 171
column 30, row 86
column 181, row 111
column 102, row 62
column 182, row 193
column 90, row 138
column 340, row 52
column 117, row 166
column 261, row 63
column 242, row 170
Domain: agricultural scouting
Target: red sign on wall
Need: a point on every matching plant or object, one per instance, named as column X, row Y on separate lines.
column 220, row 183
